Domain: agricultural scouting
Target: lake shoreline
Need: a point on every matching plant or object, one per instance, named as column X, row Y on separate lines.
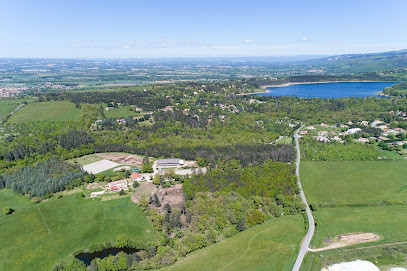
column 305, row 83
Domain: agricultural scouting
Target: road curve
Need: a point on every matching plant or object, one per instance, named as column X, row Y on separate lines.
column 311, row 226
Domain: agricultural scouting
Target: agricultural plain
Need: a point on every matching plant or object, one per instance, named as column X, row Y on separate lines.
column 49, row 111
column 354, row 182
column 272, row 245
column 38, row 236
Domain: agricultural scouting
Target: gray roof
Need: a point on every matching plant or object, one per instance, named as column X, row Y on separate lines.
column 168, row 161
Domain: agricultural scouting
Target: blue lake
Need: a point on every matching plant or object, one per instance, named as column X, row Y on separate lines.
column 329, row 90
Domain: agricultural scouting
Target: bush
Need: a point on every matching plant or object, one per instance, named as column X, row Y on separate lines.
column 313, row 206
column 7, row 210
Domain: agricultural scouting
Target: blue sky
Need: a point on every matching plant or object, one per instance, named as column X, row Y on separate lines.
column 174, row 28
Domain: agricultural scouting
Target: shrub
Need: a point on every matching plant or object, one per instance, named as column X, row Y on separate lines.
column 313, row 206
column 7, row 210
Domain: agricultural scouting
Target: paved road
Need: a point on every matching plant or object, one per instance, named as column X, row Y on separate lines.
column 311, row 226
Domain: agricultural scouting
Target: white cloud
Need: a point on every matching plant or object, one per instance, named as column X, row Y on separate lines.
column 249, row 41
column 306, row 39
column 126, row 46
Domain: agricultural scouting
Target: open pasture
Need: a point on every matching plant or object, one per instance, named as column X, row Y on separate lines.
column 48, row 111
column 389, row 222
column 38, row 236
column 354, row 182
column 8, row 105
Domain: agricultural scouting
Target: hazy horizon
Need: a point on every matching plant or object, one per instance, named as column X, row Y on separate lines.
column 161, row 29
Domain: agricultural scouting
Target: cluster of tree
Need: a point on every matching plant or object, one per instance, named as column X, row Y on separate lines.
column 255, row 154
column 44, row 178
column 74, row 139
column 338, row 110
column 268, row 180
column 399, row 89
column 313, row 150
column 147, row 100
column 207, row 219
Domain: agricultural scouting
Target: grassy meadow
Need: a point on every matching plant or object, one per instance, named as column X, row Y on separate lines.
column 38, row 236
column 272, row 245
column 389, row 222
column 121, row 112
column 49, row 111
column 8, row 105
column 354, row 182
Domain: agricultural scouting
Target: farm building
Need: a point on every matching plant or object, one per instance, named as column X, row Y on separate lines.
column 117, row 186
column 135, row 176
column 165, row 163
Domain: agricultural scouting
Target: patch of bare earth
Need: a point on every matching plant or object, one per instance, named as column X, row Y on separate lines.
column 173, row 195
column 121, row 158
column 349, row 239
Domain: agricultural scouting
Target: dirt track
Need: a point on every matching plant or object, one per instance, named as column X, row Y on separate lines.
column 349, row 239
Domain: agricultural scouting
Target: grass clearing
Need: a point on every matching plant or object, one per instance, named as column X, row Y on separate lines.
column 272, row 245
column 285, row 140
column 38, row 236
column 8, row 105
column 145, row 190
column 121, row 112
column 387, row 221
column 46, row 111
column 354, row 182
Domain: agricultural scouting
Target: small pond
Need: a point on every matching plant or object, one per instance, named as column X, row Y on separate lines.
column 87, row 257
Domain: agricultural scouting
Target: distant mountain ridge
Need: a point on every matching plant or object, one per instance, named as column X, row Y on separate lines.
column 359, row 63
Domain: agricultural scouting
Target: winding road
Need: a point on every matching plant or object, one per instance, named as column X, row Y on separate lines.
column 311, row 227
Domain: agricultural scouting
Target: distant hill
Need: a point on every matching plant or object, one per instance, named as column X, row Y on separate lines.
column 360, row 63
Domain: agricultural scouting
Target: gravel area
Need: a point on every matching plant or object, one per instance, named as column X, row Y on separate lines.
column 99, row 166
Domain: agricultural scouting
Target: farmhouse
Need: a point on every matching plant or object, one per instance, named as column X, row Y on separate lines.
column 135, row 176
column 117, row 186
column 165, row 163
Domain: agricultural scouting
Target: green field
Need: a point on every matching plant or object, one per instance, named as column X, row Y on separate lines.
column 38, row 236
column 387, row 221
column 121, row 112
column 271, row 246
column 285, row 140
column 7, row 106
column 50, row 111
column 354, row 182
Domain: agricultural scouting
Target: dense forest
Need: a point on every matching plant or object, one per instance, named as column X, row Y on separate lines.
column 43, row 178
column 144, row 99
column 268, row 180
column 396, row 90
